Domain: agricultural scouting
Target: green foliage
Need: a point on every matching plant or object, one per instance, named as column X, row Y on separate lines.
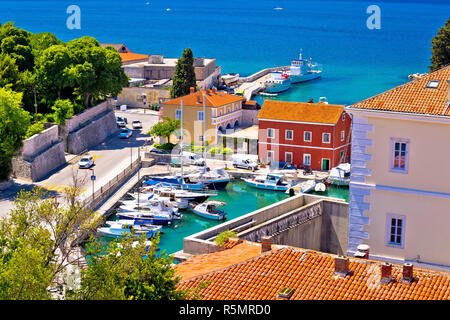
column 165, row 128
column 63, row 109
column 9, row 72
column 16, row 43
column 184, row 77
column 14, row 123
column 441, row 48
column 36, row 240
column 166, row 146
column 125, row 271
column 220, row 150
column 35, row 128
column 223, row 236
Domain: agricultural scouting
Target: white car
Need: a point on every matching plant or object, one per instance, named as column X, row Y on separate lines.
column 86, row 162
column 136, row 124
column 245, row 161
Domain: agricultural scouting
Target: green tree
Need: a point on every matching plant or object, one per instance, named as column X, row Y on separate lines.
column 16, row 43
column 14, row 123
column 128, row 271
column 165, row 128
column 37, row 239
column 63, row 109
column 9, row 72
column 184, row 77
column 440, row 48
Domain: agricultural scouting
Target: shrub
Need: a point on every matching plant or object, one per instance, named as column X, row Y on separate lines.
column 223, row 236
column 35, row 128
column 166, row 146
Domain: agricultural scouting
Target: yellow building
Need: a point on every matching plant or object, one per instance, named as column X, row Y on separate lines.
column 223, row 111
column 400, row 184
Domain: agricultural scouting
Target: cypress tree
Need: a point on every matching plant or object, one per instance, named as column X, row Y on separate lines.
column 184, row 77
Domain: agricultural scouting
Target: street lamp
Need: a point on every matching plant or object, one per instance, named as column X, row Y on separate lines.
column 131, row 153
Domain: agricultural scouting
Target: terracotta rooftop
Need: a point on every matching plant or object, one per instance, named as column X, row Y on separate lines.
column 212, row 99
column 416, row 96
column 130, row 56
column 240, row 273
column 300, row 111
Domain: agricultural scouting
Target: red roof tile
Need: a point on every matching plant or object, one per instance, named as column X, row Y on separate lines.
column 309, row 273
column 212, row 99
column 413, row 97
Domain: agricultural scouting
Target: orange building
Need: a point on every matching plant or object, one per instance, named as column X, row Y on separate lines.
column 316, row 135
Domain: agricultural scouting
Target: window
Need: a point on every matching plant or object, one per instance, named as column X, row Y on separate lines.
column 341, row 156
column 433, row 84
column 289, row 134
column 288, row 157
column 270, row 156
column 220, row 113
column 399, row 152
column 325, row 137
column 178, row 114
column 306, row 159
column 201, row 116
column 307, row 136
column 342, row 135
column 343, row 116
column 270, row 133
column 200, row 138
column 395, row 230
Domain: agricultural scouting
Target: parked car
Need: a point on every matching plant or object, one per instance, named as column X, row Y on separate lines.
column 136, row 124
column 192, row 158
column 121, row 121
column 125, row 133
column 158, row 151
column 245, row 161
column 85, row 162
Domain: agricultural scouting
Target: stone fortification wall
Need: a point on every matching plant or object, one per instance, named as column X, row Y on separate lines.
column 39, row 142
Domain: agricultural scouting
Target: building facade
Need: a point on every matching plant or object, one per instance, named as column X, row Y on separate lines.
column 316, row 135
column 399, row 190
column 220, row 110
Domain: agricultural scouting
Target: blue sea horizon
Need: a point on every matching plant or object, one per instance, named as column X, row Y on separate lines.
column 245, row 37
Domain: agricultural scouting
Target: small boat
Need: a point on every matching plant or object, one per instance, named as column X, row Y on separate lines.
column 175, row 180
column 302, row 70
column 302, row 187
column 278, row 82
column 117, row 229
column 272, row 181
column 179, row 194
column 340, row 175
column 156, row 212
column 217, row 179
column 268, row 94
column 208, row 209
column 320, row 187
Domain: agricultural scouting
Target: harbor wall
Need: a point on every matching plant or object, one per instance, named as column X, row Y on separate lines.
column 305, row 221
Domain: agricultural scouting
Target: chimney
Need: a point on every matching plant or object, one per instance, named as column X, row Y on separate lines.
column 266, row 244
column 341, row 265
column 386, row 272
column 192, row 90
column 363, row 251
column 408, row 272
column 214, row 90
column 199, row 100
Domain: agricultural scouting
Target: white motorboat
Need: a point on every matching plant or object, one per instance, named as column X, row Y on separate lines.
column 320, row 187
column 302, row 70
column 272, row 181
column 340, row 175
column 117, row 229
column 303, row 187
column 208, row 209
column 216, row 179
column 155, row 212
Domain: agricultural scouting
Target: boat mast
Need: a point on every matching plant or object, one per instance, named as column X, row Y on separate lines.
column 204, row 129
column 300, row 55
column 182, row 138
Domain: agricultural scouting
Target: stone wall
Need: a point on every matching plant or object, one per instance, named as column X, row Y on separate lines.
column 37, row 167
column 92, row 133
column 81, row 119
column 133, row 96
column 39, row 142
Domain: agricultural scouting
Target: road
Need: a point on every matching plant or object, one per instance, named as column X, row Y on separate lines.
column 111, row 157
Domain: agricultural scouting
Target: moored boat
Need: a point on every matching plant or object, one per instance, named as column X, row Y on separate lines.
column 117, row 229
column 272, row 181
column 278, row 82
column 216, row 179
column 340, row 175
column 320, row 187
column 303, row 187
column 156, row 212
column 302, row 70
column 208, row 209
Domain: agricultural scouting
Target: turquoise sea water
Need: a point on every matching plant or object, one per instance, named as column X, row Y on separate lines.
column 240, row 199
column 246, row 36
